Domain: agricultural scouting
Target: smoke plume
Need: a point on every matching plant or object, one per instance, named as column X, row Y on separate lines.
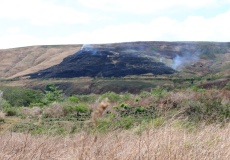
column 187, row 58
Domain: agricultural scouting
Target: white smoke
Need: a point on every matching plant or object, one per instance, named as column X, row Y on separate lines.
column 161, row 59
column 180, row 61
column 89, row 48
column 177, row 61
column 84, row 46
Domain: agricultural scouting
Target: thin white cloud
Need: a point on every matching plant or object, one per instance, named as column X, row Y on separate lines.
column 193, row 28
column 41, row 12
column 146, row 6
column 13, row 30
column 18, row 40
column 51, row 12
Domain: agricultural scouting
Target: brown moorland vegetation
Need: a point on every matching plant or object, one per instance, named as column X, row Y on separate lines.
column 166, row 142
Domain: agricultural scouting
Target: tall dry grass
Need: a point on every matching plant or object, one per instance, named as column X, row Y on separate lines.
column 2, row 115
column 98, row 111
column 167, row 142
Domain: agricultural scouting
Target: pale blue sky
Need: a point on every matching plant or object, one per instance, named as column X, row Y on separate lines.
column 44, row 22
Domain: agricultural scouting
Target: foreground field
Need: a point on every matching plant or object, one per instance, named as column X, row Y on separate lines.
column 190, row 123
column 170, row 141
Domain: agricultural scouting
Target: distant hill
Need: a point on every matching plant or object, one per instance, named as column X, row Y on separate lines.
column 119, row 67
column 18, row 62
column 105, row 62
column 138, row 58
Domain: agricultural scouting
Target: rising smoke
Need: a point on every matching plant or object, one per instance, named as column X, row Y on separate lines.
column 178, row 62
column 88, row 48
column 187, row 58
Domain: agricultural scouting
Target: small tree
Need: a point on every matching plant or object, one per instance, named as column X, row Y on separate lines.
column 19, row 96
column 81, row 108
column 52, row 93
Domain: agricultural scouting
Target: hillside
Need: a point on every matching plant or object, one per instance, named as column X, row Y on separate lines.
column 118, row 67
column 115, row 60
column 21, row 61
column 138, row 58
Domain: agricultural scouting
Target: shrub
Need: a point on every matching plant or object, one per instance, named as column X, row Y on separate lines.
column 197, row 89
column 86, row 98
column 68, row 109
column 6, row 105
column 125, row 97
column 11, row 111
column 53, row 94
column 124, row 106
column 103, row 125
column 113, row 97
column 32, row 112
column 144, row 94
column 73, row 99
column 81, row 108
column 227, row 86
column 208, row 110
column 126, row 122
column 55, row 110
column 140, row 109
column 18, row 96
column 159, row 92
column 2, row 120
column 158, row 122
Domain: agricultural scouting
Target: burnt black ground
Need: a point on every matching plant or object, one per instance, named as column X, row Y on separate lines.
column 90, row 62
column 133, row 58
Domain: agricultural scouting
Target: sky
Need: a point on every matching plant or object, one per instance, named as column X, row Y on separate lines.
column 53, row 22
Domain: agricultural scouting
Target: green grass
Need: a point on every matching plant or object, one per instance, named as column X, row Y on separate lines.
column 192, row 105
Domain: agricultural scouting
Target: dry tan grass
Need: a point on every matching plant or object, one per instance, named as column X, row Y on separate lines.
column 98, row 111
column 55, row 110
column 2, row 115
column 176, row 98
column 31, row 112
column 21, row 61
column 210, row 142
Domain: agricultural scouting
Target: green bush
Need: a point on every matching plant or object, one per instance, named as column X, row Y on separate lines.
column 144, row 94
column 53, row 94
column 208, row 110
column 73, row 99
column 159, row 92
column 140, row 109
column 125, row 97
column 227, row 86
column 126, row 122
column 158, row 122
column 81, row 108
column 113, row 97
column 86, row 98
column 126, row 106
column 11, row 111
column 107, row 124
column 197, row 89
column 103, row 125
column 68, row 109
column 2, row 120
column 18, row 96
